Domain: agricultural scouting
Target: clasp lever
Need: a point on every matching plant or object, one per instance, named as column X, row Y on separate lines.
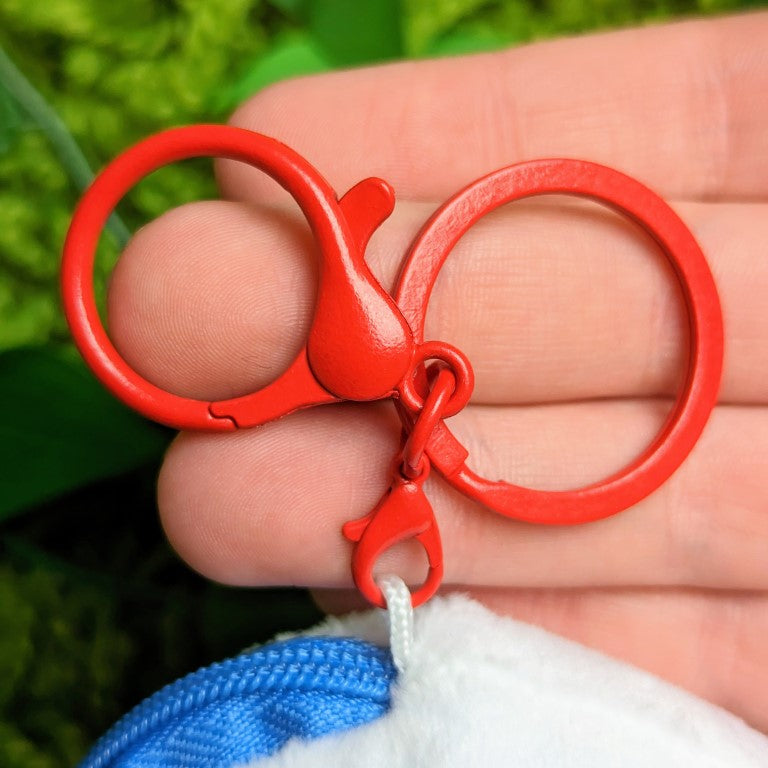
column 404, row 512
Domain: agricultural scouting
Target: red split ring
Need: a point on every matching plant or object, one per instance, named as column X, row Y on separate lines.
column 699, row 391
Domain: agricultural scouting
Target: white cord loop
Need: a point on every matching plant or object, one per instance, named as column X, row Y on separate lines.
column 400, row 614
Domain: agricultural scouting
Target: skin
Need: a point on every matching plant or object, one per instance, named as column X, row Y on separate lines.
column 568, row 313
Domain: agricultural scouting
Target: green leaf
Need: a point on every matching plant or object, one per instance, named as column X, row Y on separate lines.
column 427, row 20
column 295, row 8
column 31, row 101
column 16, row 652
column 293, row 55
column 351, row 32
column 467, row 40
column 11, row 120
column 60, row 429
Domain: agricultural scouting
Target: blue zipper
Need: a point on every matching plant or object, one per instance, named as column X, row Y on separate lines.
column 251, row 705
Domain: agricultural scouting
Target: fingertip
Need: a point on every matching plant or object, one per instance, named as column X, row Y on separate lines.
column 189, row 494
column 201, row 305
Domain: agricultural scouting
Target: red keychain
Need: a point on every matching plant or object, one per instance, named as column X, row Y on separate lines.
column 366, row 345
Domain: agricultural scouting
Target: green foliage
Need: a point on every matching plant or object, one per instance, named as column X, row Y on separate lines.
column 429, row 20
column 113, row 72
column 46, row 449
column 12, row 120
column 292, row 54
column 357, row 33
column 56, row 638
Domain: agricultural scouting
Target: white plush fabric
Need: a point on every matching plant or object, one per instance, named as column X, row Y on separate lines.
column 480, row 690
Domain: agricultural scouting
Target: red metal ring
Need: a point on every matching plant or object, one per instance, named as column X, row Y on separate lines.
column 455, row 360
column 699, row 391
column 429, row 417
column 315, row 197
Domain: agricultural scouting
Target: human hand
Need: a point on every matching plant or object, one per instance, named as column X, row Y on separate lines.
column 569, row 316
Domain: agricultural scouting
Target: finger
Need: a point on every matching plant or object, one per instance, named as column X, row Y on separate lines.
column 266, row 506
column 709, row 642
column 679, row 107
column 549, row 302
column 337, row 602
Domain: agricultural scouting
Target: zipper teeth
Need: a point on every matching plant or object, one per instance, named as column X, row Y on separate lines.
column 340, row 665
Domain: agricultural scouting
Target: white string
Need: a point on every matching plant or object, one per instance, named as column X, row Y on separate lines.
column 400, row 614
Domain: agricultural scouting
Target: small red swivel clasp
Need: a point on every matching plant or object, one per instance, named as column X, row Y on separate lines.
column 403, row 513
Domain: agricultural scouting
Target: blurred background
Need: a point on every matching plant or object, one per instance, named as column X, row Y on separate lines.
column 96, row 612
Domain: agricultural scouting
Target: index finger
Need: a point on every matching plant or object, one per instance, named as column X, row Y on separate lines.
column 677, row 106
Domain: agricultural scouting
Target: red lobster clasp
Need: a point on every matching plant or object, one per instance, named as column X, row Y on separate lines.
column 403, row 513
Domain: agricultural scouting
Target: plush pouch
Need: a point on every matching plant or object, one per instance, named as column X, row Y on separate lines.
column 478, row 690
